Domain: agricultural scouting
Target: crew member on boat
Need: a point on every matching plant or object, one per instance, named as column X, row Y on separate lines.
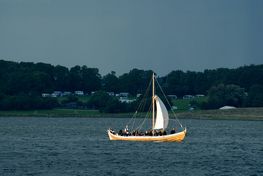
column 160, row 121
column 126, row 131
column 173, row 131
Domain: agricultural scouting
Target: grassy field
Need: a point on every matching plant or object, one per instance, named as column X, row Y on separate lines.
column 232, row 114
column 185, row 104
column 61, row 113
column 182, row 112
column 51, row 113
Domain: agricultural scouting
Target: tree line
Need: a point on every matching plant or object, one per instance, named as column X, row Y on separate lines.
column 22, row 84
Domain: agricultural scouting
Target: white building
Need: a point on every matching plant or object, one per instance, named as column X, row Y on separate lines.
column 66, row 93
column 126, row 100
column 79, row 93
column 56, row 94
column 46, row 95
column 188, row 97
column 172, row 96
column 124, row 94
column 199, row 95
column 110, row 93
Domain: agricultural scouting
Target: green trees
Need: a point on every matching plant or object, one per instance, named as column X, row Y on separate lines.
column 22, row 84
column 136, row 81
column 110, row 82
column 25, row 102
column 255, row 96
column 222, row 95
column 90, row 79
column 175, row 83
column 234, row 95
column 84, row 78
column 106, row 103
column 27, row 79
column 61, row 78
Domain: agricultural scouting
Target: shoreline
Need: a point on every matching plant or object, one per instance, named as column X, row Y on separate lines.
column 230, row 114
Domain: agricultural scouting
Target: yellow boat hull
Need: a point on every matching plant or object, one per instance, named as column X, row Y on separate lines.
column 177, row 137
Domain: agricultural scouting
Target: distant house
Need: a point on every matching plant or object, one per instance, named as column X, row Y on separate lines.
column 46, row 95
column 199, row 95
column 66, row 93
column 174, row 97
column 79, row 93
column 56, row 94
column 188, row 97
column 126, row 100
column 110, row 93
column 124, row 94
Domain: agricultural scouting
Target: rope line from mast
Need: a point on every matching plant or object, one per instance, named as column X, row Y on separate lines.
column 146, row 116
column 141, row 106
column 169, row 104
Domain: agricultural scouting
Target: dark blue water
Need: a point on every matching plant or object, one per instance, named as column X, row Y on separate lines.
column 80, row 146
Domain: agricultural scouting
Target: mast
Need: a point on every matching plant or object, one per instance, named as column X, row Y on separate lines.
column 153, row 94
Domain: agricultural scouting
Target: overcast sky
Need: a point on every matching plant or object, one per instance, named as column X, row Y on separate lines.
column 118, row 35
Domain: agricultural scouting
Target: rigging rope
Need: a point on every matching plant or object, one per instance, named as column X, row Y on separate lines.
column 169, row 103
column 147, row 115
column 141, row 106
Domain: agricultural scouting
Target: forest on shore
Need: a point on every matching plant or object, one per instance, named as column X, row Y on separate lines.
column 22, row 85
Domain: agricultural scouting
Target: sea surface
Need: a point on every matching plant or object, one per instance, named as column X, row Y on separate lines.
column 80, row 146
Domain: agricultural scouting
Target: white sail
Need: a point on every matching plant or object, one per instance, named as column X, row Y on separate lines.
column 162, row 118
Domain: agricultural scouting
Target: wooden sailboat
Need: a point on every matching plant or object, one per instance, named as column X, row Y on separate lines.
column 160, row 120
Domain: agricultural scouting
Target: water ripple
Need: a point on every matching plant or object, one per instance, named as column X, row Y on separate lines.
column 79, row 146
